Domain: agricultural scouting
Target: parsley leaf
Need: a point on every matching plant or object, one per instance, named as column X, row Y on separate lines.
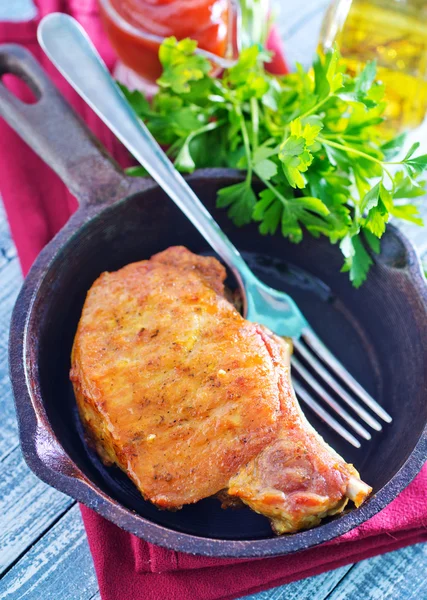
column 391, row 148
column 312, row 139
column 405, row 187
column 240, row 200
column 181, row 65
column 365, row 80
column 357, row 260
column 415, row 165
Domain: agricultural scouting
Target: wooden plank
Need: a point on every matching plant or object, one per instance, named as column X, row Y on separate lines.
column 9, row 440
column 11, row 278
column 58, row 567
column 28, row 507
column 395, row 576
column 313, row 588
column 288, row 17
column 5, row 239
column 18, row 10
column 417, row 235
column 299, row 28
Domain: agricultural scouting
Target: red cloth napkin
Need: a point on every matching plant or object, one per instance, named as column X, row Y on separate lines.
column 38, row 204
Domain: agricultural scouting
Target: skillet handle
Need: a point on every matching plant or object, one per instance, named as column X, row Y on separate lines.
column 56, row 133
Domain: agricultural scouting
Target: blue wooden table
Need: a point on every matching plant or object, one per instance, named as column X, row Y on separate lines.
column 44, row 553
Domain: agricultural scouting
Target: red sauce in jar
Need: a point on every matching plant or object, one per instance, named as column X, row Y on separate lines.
column 136, row 27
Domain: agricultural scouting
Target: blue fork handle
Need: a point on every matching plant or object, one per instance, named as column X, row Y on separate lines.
column 70, row 49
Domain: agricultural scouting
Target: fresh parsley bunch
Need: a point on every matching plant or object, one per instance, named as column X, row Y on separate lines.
column 311, row 138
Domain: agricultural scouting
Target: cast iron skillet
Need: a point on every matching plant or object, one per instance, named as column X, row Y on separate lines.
column 379, row 332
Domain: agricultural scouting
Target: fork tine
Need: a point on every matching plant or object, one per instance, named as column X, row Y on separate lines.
column 313, row 383
column 324, row 415
column 314, row 362
column 322, row 352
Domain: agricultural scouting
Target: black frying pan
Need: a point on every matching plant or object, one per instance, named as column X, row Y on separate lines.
column 379, row 332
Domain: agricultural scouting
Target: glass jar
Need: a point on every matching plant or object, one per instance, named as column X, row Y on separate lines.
column 394, row 33
column 136, row 28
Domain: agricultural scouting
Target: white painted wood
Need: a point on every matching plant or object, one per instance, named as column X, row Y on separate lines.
column 399, row 575
column 28, row 508
column 313, row 588
column 58, row 567
column 10, row 282
column 17, row 10
column 418, row 235
column 55, row 565
column 299, row 26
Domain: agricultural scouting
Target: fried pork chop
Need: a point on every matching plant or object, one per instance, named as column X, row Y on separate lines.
column 190, row 400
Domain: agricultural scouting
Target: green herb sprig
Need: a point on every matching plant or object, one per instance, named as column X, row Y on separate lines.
column 312, row 138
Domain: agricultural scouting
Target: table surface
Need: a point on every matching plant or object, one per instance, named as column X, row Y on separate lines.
column 44, row 553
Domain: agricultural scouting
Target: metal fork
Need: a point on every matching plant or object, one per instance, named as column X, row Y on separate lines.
column 69, row 48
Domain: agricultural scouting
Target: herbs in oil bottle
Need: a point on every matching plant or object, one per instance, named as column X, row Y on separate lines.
column 394, row 33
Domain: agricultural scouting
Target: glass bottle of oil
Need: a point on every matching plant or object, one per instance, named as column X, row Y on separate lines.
column 394, row 32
